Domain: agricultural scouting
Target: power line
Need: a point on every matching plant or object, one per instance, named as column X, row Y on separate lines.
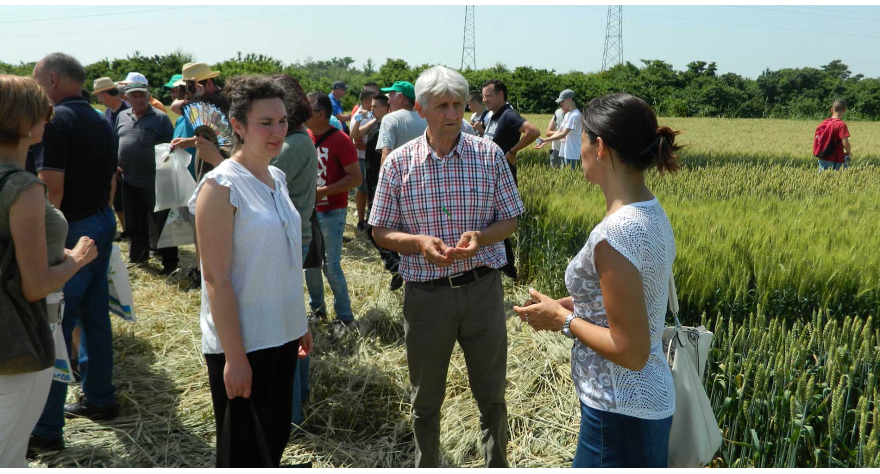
column 128, row 28
column 823, row 15
column 836, row 11
column 93, row 15
column 748, row 25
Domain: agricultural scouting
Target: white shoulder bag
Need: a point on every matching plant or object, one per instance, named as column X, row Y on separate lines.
column 695, row 437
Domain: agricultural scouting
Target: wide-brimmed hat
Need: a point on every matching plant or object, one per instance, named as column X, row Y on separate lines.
column 198, row 72
column 102, row 84
column 172, row 82
column 135, row 77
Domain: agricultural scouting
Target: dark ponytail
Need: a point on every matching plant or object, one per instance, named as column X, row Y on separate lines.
column 628, row 125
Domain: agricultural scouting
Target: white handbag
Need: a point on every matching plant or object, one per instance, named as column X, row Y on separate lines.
column 695, row 436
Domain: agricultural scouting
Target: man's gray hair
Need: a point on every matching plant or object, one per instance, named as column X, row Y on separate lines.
column 439, row 81
column 65, row 65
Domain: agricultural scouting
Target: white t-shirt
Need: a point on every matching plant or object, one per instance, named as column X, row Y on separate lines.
column 361, row 117
column 558, row 117
column 399, row 127
column 571, row 146
column 467, row 128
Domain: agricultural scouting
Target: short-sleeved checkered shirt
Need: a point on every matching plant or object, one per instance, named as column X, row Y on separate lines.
column 421, row 193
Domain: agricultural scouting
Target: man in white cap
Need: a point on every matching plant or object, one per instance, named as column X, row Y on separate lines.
column 106, row 92
column 140, row 78
column 140, row 129
column 570, row 131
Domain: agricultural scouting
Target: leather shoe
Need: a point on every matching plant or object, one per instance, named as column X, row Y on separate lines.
column 88, row 410
column 37, row 445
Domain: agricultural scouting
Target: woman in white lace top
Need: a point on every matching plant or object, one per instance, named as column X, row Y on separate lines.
column 618, row 284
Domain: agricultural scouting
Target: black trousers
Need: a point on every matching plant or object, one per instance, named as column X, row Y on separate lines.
column 272, row 396
column 390, row 258
column 143, row 225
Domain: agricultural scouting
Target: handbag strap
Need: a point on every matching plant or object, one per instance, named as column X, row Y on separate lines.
column 673, row 301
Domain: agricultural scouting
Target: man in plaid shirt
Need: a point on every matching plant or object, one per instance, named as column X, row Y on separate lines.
column 445, row 202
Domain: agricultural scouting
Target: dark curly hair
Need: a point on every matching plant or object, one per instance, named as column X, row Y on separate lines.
column 298, row 109
column 245, row 91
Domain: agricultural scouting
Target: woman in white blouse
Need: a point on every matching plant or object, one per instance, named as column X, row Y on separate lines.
column 253, row 317
column 618, row 284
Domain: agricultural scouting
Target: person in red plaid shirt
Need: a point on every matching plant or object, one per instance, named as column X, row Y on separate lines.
column 445, row 202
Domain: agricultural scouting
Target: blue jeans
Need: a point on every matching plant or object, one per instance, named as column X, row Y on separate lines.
column 332, row 224
column 825, row 165
column 300, row 379
column 610, row 439
column 87, row 302
column 573, row 164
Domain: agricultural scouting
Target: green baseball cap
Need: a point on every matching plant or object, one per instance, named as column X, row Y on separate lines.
column 174, row 78
column 404, row 88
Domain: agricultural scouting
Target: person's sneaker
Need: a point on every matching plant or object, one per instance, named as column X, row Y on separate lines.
column 317, row 315
column 341, row 328
column 37, row 446
column 85, row 409
column 168, row 270
column 396, row 282
column 361, row 226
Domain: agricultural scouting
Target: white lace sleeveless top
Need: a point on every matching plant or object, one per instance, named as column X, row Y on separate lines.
column 640, row 232
column 266, row 272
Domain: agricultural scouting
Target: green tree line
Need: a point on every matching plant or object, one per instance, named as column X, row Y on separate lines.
column 697, row 91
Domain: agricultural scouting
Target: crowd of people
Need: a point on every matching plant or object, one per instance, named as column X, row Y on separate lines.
column 436, row 194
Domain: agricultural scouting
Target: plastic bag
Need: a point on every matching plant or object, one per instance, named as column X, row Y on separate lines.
column 176, row 232
column 62, row 371
column 121, row 298
column 174, row 184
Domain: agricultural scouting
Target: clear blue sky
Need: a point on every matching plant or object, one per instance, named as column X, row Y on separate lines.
column 553, row 37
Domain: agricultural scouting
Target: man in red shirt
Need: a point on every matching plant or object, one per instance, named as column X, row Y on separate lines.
column 338, row 172
column 839, row 133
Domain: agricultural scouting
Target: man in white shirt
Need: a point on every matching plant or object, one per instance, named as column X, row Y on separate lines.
column 359, row 131
column 570, row 130
column 556, row 150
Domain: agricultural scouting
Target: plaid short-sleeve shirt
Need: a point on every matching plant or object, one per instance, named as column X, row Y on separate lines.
column 421, row 193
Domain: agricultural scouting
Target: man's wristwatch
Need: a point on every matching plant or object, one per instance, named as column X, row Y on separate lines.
column 566, row 328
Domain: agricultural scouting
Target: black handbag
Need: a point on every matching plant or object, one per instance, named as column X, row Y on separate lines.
column 315, row 257
column 225, row 442
column 26, row 342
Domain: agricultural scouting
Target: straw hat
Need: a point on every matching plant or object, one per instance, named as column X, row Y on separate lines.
column 198, row 72
column 102, row 84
